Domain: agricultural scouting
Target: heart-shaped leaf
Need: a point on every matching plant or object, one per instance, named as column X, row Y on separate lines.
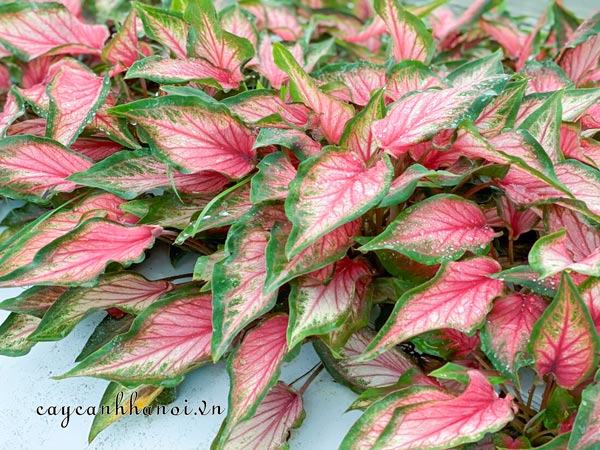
column 82, row 254
column 440, row 228
column 458, row 297
column 332, row 189
column 564, row 340
column 410, row 38
column 318, row 306
column 131, row 173
column 269, row 427
column 165, row 341
column 193, row 134
column 254, row 367
column 127, row 291
column 449, row 423
column 20, row 25
column 238, row 280
column 34, row 168
column 333, row 113
column 508, row 330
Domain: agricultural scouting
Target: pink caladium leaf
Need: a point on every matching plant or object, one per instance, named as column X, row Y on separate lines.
column 358, row 135
column 582, row 181
column 449, row 423
column 128, row 291
column 368, row 428
column 331, row 189
column 326, row 250
column 238, row 280
column 254, row 367
column 275, row 173
column 333, row 114
column 20, row 251
column 34, row 168
column 35, row 93
column 131, row 173
column 545, row 77
column 409, row 76
column 166, row 340
column 564, row 342
column 544, row 126
column 14, row 333
column 95, row 148
column 81, row 255
column 169, row 71
column 353, row 82
column 410, row 38
column 166, row 27
column 220, row 48
column 440, row 228
column 264, row 106
column 11, row 111
column 590, row 293
column 280, row 20
column 21, row 26
column 238, row 21
column 517, row 221
column 458, row 297
column 421, row 115
column 571, row 244
column 264, row 63
column 225, row 209
column 384, row 370
column 269, row 427
column 529, row 161
column 508, row 329
column 122, row 50
column 317, row 306
column 506, row 34
column 581, row 53
column 74, row 97
column 34, row 301
column 193, row 134
column 586, row 429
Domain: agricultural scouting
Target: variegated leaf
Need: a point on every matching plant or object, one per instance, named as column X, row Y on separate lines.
column 458, row 297
column 238, row 280
column 131, row 173
column 254, row 367
column 33, row 168
column 319, row 306
column 440, row 228
column 165, row 341
column 564, row 342
column 332, row 189
column 81, row 255
column 193, row 134
column 21, row 25
column 127, row 291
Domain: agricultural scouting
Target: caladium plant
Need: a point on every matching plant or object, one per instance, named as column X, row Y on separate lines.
column 413, row 189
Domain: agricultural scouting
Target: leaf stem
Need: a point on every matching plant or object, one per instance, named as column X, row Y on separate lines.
column 310, row 379
column 476, row 189
column 304, row 374
column 542, row 434
column 530, row 394
column 176, row 277
column 547, row 393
